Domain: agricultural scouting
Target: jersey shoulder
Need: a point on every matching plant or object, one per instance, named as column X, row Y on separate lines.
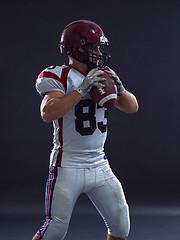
column 51, row 79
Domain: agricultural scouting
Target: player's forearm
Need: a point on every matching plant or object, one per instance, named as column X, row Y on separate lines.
column 127, row 102
column 56, row 108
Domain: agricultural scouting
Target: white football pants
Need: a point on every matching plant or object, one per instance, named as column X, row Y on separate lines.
column 103, row 189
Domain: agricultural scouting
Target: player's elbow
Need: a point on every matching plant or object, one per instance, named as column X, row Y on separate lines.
column 46, row 114
column 137, row 108
column 132, row 105
column 134, row 108
column 46, row 117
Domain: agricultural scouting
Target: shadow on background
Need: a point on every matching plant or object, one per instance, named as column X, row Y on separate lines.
column 147, row 222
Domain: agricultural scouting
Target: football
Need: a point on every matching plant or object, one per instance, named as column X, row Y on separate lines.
column 105, row 96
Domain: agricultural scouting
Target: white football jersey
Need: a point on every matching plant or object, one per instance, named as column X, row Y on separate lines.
column 79, row 136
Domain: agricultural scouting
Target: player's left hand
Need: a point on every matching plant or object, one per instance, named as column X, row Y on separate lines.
column 120, row 87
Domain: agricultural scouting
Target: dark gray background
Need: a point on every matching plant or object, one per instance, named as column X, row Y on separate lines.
column 143, row 148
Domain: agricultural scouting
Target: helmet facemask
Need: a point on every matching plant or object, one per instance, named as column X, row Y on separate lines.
column 93, row 59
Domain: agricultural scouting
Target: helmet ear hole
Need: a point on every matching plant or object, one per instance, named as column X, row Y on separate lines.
column 77, row 53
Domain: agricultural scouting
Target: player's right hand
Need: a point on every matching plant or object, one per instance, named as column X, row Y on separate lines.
column 92, row 79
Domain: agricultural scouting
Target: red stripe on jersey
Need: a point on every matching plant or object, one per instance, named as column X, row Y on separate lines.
column 64, row 75
column 49, row 75
column 59, row 156
column 63, row 80
column 106, row 68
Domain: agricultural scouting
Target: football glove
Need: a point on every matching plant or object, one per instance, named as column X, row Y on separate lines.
column 120, row 87
column 92, row 79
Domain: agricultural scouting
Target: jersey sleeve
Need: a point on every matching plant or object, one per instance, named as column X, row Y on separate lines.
column 49, row 80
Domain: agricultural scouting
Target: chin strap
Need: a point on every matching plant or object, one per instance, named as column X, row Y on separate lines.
column 91, row 65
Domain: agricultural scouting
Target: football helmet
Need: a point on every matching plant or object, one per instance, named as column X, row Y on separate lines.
column 78, row 40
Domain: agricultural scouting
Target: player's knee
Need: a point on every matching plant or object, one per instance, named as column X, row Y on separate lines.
column 121, row 226
column 57, row 230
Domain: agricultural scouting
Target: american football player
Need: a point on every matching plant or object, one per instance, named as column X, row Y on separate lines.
column 78, row 163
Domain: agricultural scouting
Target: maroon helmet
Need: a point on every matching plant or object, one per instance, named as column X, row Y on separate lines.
column 80, row 36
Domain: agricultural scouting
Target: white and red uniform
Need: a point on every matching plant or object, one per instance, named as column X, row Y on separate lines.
column 79, row 136
column 78, row 163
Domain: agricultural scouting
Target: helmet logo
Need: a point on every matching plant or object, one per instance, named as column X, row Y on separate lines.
column 103, row 39
column 83, row 42
column 81, row 50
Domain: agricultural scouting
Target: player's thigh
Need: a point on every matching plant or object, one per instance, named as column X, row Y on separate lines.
column 108, row 197
column 67, row 189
